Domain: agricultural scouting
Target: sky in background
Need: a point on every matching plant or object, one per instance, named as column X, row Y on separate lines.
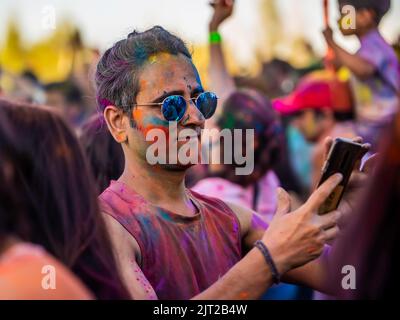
column 103, row 22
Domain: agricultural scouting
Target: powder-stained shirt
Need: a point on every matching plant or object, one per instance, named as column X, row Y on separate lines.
column 376, row 99
column 181, row 256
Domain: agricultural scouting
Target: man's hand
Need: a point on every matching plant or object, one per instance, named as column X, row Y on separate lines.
column 222, row 10
column 298, row 237
column 357, row 181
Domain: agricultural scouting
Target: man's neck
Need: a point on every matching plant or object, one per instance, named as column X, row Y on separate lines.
column 161, row 187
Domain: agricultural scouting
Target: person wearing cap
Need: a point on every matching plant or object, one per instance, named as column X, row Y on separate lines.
column 375, row 68
column 321, row 106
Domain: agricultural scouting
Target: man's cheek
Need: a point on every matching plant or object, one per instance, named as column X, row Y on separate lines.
column 146, row 123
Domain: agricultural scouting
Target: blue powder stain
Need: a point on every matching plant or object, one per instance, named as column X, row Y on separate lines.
column 154, row 121
column 164, row 215
column 140, row 54
column 148, row 228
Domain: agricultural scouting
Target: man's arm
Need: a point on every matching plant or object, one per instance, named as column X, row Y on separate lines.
column 360, row 67
column 293, row 240
column 235, row 284
column 125, row 250
column 253, row 228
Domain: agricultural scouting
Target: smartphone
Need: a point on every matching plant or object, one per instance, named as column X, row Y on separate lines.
column 342, row 158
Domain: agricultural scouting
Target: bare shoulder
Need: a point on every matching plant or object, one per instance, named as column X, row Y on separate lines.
column 252, row 224
column 122, row 240
column 244, row 216
column 37, row 275
column 128, row 256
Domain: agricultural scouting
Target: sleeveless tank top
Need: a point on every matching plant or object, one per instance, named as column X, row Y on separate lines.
column 180, row 256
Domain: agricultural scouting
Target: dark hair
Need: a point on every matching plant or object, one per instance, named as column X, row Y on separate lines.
column 249, row 109
column 105, row 155
column 380, row 7
column 59, row 208
column 371, row 241
column 118, row 71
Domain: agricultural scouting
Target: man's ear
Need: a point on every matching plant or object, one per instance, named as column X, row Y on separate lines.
column 117, row 123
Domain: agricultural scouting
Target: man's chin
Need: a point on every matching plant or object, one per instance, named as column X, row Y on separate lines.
column 177, row 167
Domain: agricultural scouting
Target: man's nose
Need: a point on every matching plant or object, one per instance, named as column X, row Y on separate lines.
column 193, row 116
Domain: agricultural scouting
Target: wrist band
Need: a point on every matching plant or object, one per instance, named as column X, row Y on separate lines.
column 215, row 37
column 264, row 250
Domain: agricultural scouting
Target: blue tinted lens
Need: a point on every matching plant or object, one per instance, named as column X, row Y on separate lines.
column 207, row 103
column 174, row 108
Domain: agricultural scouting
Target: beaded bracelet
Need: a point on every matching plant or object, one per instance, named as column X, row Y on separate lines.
column 265, row 252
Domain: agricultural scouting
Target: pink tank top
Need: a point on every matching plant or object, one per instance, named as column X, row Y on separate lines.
column 181, row 256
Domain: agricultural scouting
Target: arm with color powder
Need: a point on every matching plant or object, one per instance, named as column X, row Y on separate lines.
column 248, row 279
column 360, row 67
column 221, row 81
column 125, row 247
column 293, row 239
column 309, row 268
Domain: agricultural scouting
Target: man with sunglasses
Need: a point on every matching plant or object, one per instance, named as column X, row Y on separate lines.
column 171, row 242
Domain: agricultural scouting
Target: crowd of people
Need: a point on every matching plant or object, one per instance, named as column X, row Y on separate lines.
column 78, row 193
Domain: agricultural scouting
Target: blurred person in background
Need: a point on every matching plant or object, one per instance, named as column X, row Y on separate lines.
column 58, row 208
column 321, row 106
column 105, row 155
column 223, row 84
column 276, row 78
column 245, row 109
column 375, row 68
column 248, row 109
column 67, row 98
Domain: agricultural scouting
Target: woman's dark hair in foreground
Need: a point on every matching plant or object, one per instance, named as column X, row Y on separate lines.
column 58, row 204
column 371, row 242
column 105, row 155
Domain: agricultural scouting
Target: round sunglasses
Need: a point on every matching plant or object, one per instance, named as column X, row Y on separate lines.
column 174, row 107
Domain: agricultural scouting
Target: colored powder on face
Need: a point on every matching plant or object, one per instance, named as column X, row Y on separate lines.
column 145, row 123
column 154, row 121
column 143, row 84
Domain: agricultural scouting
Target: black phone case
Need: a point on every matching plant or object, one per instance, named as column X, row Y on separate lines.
column 342, row 158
